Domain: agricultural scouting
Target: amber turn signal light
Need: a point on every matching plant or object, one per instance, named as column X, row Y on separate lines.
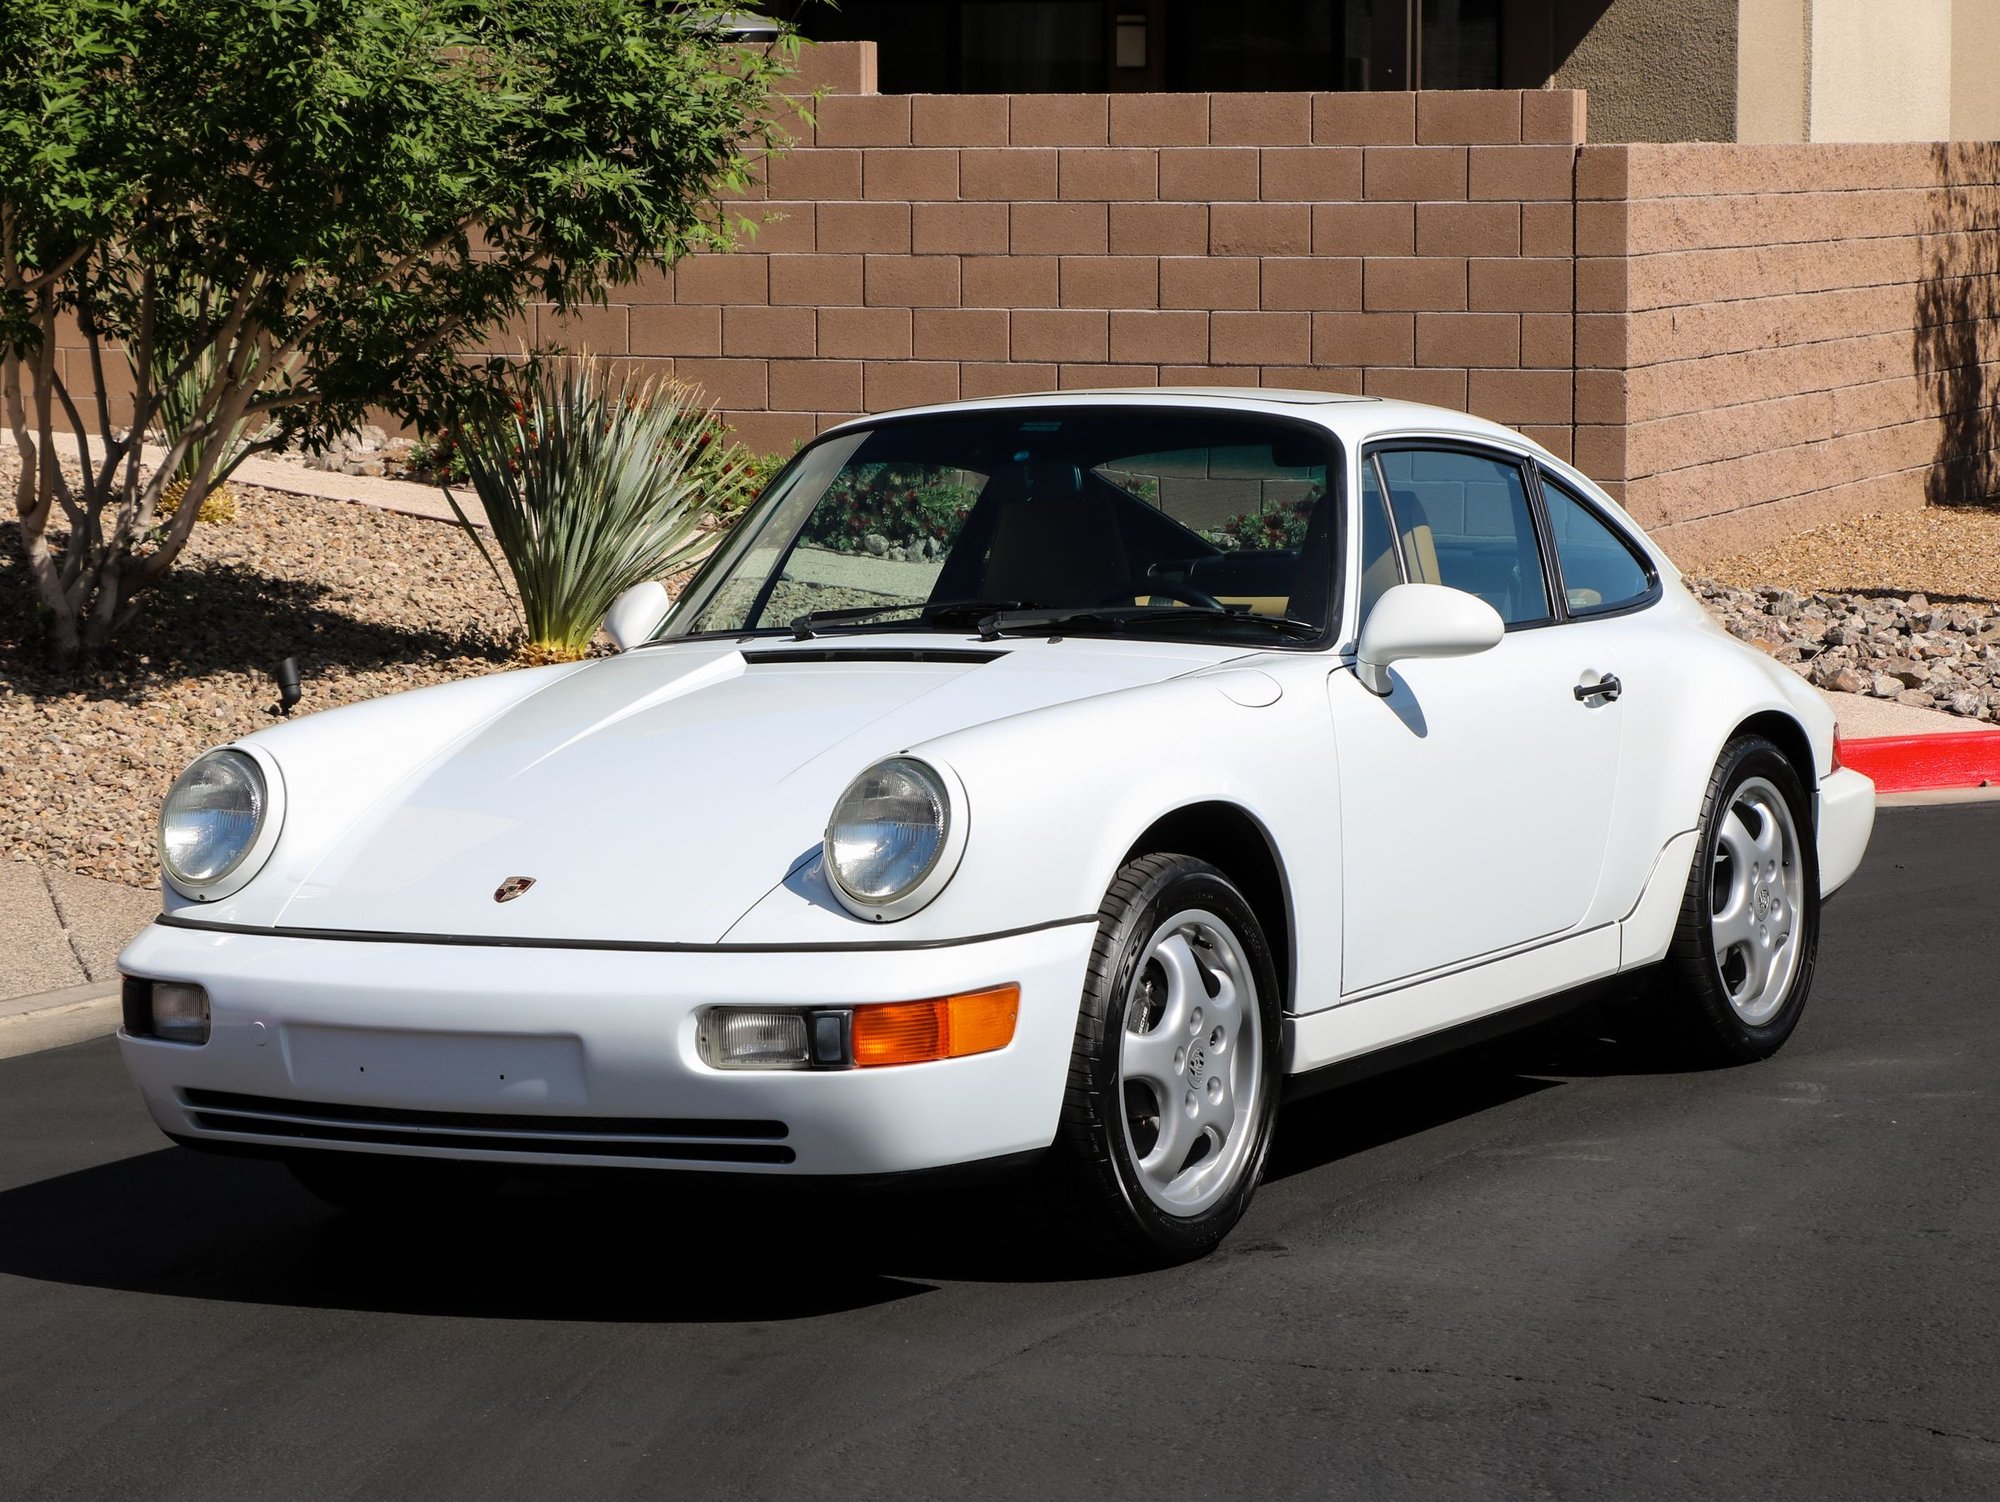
column 945, row 1027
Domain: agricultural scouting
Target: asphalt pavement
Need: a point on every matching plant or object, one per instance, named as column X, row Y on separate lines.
column 1537, row 1269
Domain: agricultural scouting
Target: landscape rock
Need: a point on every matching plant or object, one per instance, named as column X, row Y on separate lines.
column 1889, row 646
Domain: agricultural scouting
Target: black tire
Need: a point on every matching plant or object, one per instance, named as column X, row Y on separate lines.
column 379, row 1185
column 1693, row 1012
column 1092, row 1164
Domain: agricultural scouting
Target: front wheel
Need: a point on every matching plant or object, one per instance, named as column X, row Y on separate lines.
column 1173, row 1080
column 1742, row 958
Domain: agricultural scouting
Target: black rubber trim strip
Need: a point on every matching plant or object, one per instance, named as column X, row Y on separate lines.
column 631, row 946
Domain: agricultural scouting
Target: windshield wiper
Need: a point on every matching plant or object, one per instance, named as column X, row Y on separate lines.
column 943, row 613
column 968, row 612
column 803, row 625
column 993, row 623
column 1118, row 617
column 1284, row 625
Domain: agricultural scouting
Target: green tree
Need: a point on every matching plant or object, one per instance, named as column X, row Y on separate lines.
column 320, row 206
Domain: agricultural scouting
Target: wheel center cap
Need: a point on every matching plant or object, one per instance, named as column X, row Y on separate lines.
column 1197, row 1064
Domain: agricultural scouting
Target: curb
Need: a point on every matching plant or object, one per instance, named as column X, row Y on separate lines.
column 50, row 1019
column 1924, row 763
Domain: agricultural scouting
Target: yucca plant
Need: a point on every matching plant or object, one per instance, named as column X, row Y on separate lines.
column 591, row 487
column 182, row 387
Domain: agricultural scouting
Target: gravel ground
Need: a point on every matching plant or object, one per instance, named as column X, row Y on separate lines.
column 1902, row 606
column 369, row 602
column 1949, row 553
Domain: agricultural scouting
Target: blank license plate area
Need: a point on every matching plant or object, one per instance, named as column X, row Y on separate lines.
column 438, row 1070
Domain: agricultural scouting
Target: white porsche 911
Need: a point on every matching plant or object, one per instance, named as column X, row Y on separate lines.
column 1063, row 778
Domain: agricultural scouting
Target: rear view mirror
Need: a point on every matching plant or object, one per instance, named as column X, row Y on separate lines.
column 636, row 614
column 1423, row 620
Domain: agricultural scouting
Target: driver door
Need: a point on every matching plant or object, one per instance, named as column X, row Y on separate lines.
column 1476, row 798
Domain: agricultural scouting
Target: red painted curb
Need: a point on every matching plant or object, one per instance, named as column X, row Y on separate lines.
column 1919, row 763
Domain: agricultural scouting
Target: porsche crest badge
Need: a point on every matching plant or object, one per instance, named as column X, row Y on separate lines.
column 512, row 887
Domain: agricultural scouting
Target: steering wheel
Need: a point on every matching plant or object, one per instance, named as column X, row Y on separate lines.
column 1187, row 594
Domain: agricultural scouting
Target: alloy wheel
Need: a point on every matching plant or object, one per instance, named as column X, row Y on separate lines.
column 1756, row 899
column 1190, row 1068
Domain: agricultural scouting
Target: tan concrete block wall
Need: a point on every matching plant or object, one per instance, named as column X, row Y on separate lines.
column 919, row 249
column 1775, row 337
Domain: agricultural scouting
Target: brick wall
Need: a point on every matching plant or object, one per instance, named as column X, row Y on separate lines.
column 1739, row 341
column 1770, row 338
column 924, row 248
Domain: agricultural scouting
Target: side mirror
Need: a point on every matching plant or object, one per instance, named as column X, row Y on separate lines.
column 635, row 615
column 1423, row 620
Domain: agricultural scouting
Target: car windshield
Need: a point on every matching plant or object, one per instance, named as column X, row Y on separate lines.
column 1149, row 522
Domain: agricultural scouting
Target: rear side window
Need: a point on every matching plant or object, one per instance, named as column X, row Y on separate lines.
column 1600, row 572
column 1464, row 521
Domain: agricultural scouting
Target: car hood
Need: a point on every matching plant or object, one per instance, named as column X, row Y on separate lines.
column 655, row 797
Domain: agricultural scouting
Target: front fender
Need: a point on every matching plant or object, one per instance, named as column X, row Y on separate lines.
column 1056, row 797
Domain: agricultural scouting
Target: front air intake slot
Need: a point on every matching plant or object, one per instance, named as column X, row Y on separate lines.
column 964, row 656
column 686, row 1139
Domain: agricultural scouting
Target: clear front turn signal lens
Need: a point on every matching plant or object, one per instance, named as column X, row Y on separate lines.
column 172, row 1011
column 745, row 1038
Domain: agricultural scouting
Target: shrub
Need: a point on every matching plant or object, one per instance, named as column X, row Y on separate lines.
column 592, row 488
column 905, row 506
column 1282, row 526
column 339, row 205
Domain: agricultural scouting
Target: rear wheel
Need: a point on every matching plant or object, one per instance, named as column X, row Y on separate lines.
column 375, row 1184
column 1173, row 1082
column 1742, row 958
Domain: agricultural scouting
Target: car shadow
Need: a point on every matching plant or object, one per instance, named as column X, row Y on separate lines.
column 665, row 1248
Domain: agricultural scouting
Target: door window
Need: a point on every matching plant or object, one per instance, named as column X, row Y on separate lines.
column 1600, row 572
column 1464, row 521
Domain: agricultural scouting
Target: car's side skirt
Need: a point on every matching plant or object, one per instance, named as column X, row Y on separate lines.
column 1450, row 1039
column 1392, row 1018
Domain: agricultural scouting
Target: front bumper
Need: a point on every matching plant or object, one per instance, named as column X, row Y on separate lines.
column 1846, row 818
column 553, row 1056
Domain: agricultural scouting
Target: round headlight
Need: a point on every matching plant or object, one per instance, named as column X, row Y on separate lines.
column 212, row 817
column 892, row 841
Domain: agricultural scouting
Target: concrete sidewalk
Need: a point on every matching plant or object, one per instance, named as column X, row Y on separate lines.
column 1861, row 717
column 59, row 965
column 297, row 479
column 64, row 930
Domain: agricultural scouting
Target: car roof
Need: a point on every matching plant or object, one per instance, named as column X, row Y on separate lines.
column 1353, row 418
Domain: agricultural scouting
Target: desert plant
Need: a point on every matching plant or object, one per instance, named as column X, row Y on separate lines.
column 338, row 205
column 182, row 384
column 592, row 487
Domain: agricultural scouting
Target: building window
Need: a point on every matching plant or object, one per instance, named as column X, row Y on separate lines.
column 1031, row 46
column 1080, row 46
column 1460, row 44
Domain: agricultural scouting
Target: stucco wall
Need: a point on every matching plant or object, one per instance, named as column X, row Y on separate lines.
column 1657, row 70
column 1771, row 53
column 1975, row 70
column 1882, row 72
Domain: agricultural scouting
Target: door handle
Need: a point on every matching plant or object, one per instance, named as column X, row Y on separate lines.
column 1606, row 688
